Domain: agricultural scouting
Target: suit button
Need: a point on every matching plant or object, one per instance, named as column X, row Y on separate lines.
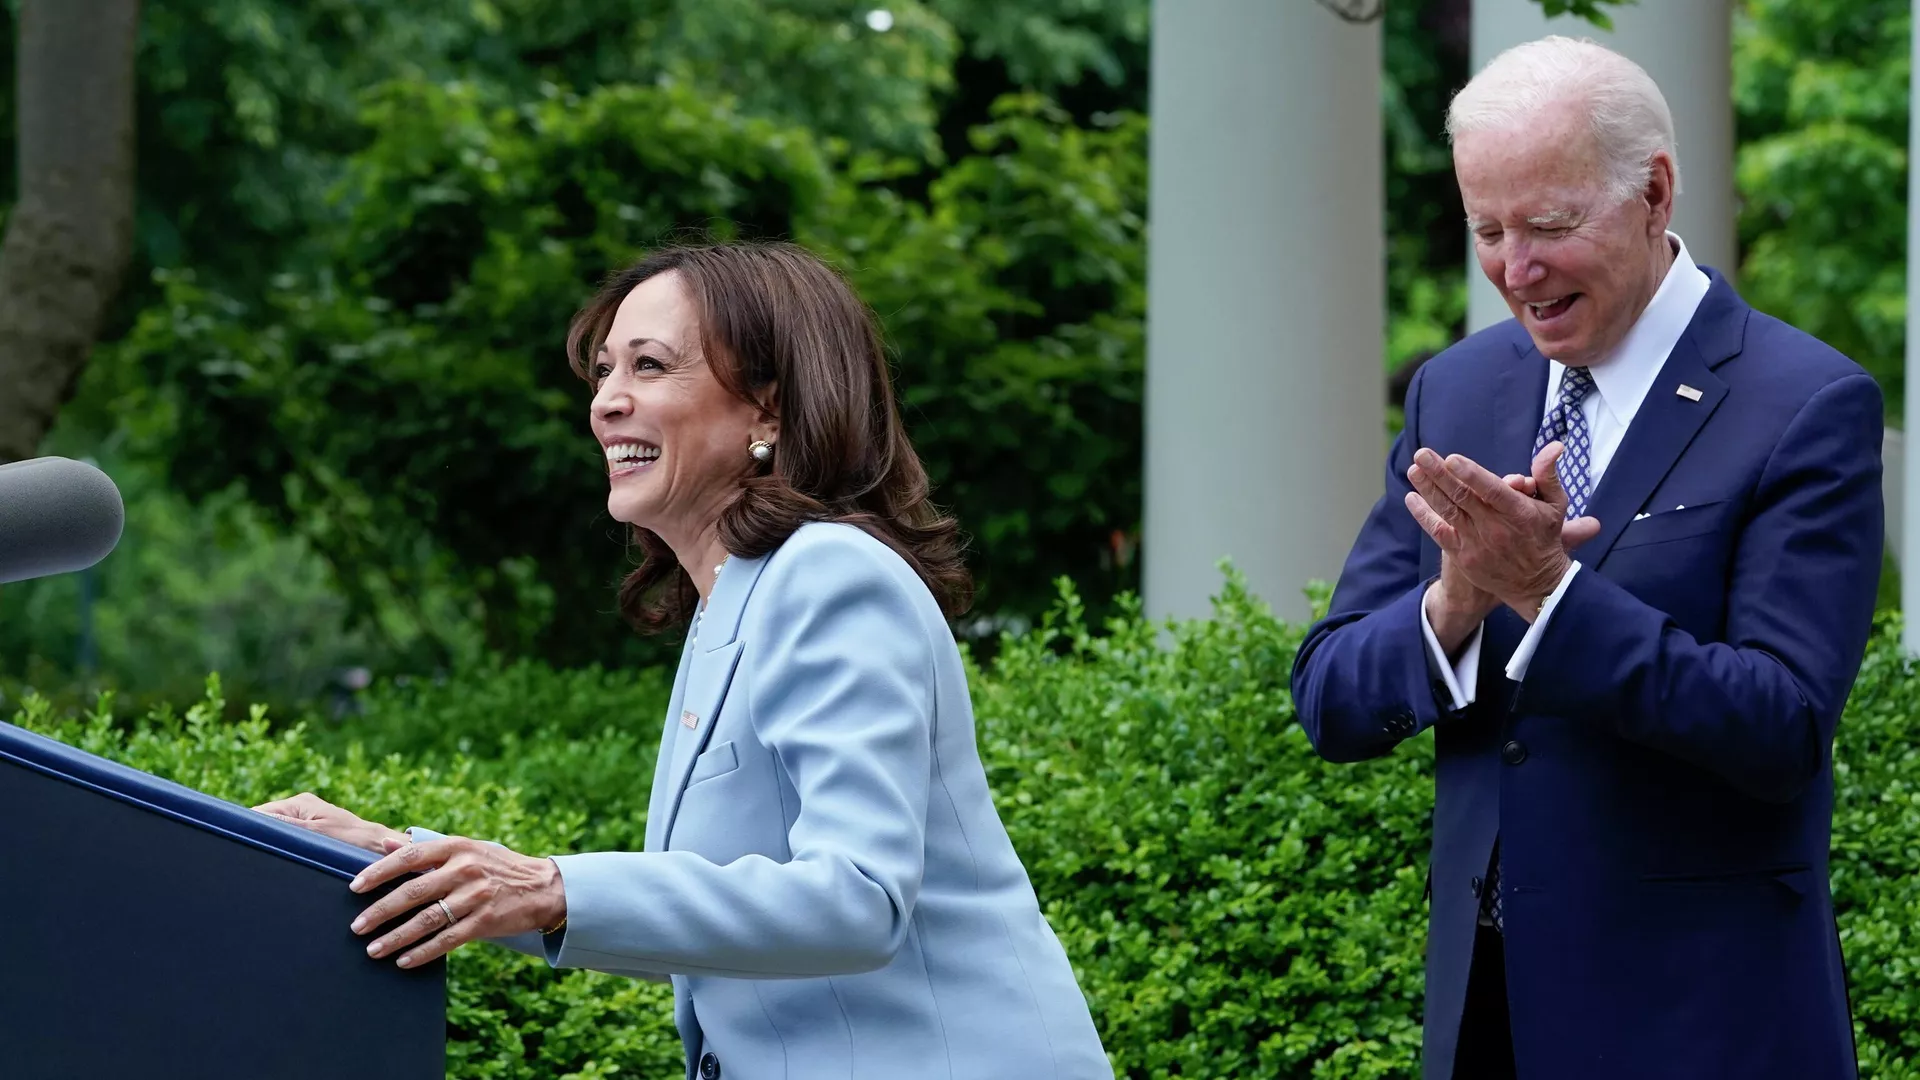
column 709, row 1067
column 1514, row 752
column 1476, row 886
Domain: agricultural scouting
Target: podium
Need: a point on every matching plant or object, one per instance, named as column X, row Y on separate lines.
column 149, row 930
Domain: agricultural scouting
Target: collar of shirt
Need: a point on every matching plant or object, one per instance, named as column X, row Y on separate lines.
column 1623, row 378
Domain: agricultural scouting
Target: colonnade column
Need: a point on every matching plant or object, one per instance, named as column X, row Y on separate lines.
column 1265, row 386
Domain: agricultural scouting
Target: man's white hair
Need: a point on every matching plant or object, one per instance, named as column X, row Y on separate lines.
column 1625, row 109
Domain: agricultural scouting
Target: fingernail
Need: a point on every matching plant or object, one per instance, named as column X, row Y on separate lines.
column 357, row 884
column 375, row 949
column 359, row 924
column 406, row 961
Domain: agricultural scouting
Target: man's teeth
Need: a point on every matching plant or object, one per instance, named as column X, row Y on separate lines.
column 630, row 454
column 1540, row 306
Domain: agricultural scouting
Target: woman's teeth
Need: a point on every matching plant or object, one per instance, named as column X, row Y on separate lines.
column 627, row 455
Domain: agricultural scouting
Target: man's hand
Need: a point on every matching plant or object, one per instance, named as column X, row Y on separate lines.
column 1455, row 606
column 1506, row 542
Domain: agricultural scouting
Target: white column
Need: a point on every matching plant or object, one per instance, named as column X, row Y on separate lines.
column 1908, row 538
column 1265, row 428
column 1686, row 46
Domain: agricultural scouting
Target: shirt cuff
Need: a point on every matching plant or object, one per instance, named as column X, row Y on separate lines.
column 1462, row 679
column 1523, row 654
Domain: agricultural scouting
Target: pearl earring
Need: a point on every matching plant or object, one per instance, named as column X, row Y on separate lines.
column 760, row 450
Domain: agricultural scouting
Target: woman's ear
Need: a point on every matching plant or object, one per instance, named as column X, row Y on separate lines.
column 768, row 398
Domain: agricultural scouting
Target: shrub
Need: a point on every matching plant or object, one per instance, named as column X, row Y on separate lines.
column 477, row 711
column 1233, row 905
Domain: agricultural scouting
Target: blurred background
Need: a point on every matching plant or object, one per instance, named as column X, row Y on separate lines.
column 329, row 380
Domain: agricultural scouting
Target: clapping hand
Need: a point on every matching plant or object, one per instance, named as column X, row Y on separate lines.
column 1506, row 539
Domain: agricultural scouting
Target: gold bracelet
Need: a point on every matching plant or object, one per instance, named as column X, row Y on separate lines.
column 556, row 928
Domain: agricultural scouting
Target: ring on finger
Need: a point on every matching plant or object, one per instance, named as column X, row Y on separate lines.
column 447, row 911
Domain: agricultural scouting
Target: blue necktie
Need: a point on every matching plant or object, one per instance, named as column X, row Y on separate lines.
column 1566, row 423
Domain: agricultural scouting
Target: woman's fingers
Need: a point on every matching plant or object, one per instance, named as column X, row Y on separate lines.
column 464, row 890
column 437, row 916
column 469, row 913
column 421, row 890
column 299, row 807
column 406, row 859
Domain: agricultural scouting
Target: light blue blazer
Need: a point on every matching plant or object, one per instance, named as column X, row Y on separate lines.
column 826, row 880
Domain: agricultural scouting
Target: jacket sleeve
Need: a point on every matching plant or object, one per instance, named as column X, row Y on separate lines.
column 839, row 681
column 1364, row 679
column 1759, row 708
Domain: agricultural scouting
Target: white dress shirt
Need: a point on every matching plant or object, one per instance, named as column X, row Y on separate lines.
column 1621, row 381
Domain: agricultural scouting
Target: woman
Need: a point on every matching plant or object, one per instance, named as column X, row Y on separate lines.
column 825, row 878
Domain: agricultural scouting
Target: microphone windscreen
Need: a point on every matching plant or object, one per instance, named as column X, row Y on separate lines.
column 56, row 515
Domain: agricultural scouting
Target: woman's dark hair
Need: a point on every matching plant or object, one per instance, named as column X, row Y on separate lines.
column 772, row 313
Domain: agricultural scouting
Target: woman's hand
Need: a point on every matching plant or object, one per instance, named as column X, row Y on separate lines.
column 310, row 811
column 489, row 891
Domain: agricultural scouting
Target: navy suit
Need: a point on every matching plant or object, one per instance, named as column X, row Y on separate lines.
column 1661, row 783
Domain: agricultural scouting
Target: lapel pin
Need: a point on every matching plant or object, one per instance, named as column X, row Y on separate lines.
column 688, row 719
column 1688, row 392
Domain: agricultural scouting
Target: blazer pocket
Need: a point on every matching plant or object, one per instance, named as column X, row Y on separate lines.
column 1669, row 525
column 1797, row 878
column 717, row 761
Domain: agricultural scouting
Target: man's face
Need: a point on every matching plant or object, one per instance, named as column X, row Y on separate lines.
column 1576, row 264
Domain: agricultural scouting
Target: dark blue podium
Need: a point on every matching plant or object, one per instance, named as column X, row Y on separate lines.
column 149, row 930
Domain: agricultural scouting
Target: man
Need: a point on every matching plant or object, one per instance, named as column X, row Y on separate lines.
column 1625, row 569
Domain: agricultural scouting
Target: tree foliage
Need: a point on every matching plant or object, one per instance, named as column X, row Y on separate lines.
column 361, row 228
column 356, row 284
column 1822, row 172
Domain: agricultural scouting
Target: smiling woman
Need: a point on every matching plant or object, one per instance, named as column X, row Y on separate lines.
column 745, row 390
column 826, row 881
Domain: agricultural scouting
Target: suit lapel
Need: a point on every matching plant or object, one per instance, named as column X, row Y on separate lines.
column 713, row 654
column 1668, row 420
column 1519, row 401
column 1661, row 431
column 663, row 762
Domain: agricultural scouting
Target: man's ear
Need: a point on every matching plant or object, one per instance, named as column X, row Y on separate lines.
column 1660, row 191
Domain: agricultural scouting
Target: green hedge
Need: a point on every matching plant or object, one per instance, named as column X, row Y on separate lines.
column 1235, row 907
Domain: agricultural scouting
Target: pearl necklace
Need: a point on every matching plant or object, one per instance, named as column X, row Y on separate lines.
column 701, row 612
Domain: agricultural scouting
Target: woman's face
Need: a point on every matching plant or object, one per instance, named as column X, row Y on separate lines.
column 675, row 439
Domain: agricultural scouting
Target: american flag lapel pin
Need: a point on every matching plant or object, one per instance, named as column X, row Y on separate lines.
column 1688, row 392
column 688, row 719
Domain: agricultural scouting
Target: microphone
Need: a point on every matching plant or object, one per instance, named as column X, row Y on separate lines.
column 56, row 515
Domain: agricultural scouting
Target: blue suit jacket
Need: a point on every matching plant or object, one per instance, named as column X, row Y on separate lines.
column 826, row 879
column 1661, row 783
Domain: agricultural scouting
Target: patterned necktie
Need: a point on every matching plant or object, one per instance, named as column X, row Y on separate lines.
column 1566, row 423
column 1490, row 910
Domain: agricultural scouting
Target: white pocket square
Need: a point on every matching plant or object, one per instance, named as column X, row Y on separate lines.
column 1638, row 517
